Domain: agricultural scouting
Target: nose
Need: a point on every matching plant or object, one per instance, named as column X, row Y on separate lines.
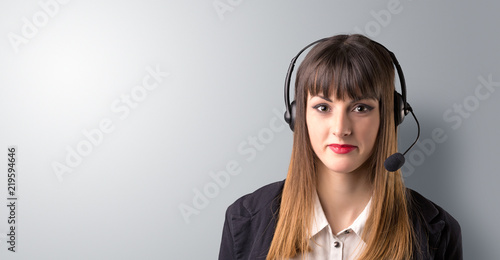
column 341, row 125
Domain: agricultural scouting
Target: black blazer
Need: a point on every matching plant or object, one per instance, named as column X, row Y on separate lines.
column 250, row 224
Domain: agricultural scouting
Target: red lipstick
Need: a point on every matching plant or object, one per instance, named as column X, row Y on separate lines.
column 342, row 148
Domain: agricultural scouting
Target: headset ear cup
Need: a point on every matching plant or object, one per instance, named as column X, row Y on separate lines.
column 399, row 109
column 292, row 115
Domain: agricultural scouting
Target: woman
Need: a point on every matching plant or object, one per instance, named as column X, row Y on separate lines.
column 338, row 201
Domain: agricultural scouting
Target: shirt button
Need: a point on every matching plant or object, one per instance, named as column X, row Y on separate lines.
column 347, row 232
column 336, row 244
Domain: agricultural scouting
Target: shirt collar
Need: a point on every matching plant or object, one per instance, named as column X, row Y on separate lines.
column 320, row 222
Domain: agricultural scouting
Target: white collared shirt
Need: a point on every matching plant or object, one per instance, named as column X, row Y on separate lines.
column 344, row 245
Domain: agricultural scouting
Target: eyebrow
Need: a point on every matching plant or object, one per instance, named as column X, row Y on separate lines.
column 325, row 98
column 352, row 101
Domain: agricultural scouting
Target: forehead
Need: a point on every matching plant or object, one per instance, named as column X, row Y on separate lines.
column 333, row 98
column 343, row 75
column 342, row 85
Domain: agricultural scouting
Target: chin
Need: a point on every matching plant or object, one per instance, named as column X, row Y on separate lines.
column 341, row 168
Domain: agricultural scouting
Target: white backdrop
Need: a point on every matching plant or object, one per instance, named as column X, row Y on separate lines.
column 138, row 122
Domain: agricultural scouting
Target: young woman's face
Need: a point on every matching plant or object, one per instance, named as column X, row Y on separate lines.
column 342, row 133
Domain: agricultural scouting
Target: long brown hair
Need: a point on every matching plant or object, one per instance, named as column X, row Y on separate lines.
column 346, row 66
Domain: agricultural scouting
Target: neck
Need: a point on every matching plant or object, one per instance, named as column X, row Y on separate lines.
column 343, row 196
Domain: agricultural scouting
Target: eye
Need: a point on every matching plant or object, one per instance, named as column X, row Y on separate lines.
column 321, row 108
column 361, row 108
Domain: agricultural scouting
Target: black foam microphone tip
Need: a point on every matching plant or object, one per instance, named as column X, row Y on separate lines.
column 394, row 162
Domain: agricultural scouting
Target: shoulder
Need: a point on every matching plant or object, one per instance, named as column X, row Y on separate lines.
column 435, row 226
column 430, row 212
column 250, row 224
column 253, row 203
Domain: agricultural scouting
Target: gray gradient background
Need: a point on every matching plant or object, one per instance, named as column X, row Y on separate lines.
column 226, row 78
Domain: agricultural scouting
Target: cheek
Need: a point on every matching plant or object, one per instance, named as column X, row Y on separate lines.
column 315, row 133
column 316, row 125
column 372, row 131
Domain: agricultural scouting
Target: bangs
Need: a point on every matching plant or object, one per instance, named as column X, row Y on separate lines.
column 344, row 74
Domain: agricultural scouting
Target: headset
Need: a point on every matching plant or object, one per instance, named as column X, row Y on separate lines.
column 401, row 106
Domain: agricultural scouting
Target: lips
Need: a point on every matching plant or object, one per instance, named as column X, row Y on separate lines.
column 342, row 148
